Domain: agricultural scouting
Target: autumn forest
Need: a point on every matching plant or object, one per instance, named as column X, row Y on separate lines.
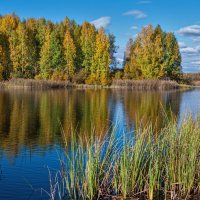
column 41, row 49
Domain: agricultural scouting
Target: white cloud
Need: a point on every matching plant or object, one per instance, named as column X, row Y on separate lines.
column 102, row 22
column 197, row 62
column 138, row 14
column 190, row 50
column 144, row 2
column 190, row 58
column 196, row 39
column 190, row 54
column 182, row 45
column 192, row 31
column 134, row 28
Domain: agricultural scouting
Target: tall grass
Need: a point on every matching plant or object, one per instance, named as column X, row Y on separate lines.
column 192, row 78
column 34, row 84
column 51, row 84
column 153, row 166
column 145, row 84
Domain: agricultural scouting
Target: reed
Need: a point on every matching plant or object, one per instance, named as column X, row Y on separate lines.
column 50, row 84
column 196, row 83
column 145, row 84
column 165, row 165
column 192, row 78
column 34, row 84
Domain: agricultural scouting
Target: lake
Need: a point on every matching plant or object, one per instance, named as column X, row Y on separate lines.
column 31, row 124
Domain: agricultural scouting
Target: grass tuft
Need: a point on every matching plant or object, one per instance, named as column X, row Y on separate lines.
column 164, row 165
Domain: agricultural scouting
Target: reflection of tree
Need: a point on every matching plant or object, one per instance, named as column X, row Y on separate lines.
column 30, row 119
column 150, row 107
column 4, row 114
column 33, row 118
column 86, row 110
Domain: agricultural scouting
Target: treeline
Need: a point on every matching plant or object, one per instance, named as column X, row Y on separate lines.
column 41, row 49
column 153, row 55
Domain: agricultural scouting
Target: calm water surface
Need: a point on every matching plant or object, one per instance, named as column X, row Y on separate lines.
column 30, row 127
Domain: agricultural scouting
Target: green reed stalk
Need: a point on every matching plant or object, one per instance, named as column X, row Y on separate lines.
column 157, row 165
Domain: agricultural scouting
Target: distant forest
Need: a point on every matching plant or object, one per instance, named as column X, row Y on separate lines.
column 41, row 49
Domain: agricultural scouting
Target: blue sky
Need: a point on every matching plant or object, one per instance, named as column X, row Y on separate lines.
column 124, row 18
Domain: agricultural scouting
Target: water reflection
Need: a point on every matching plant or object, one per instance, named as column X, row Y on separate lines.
column 33, row 118
column 30, row 126
column 151, row 107
column 29, row 118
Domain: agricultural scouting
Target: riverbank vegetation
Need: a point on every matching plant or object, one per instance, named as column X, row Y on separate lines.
column 126, row 84
column 192, row 78
column 145, row 84
column 35, row 84
column 82, row 54
column 150, row 165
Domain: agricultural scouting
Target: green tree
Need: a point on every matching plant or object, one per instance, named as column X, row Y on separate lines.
column 112, row 50
column 21, row 52
column 88, row 37
column 33, row 44
column 101, row 60
column 56, row 53
column 172, row 57
column 41, row 30
column 51, row 60
column 45, row 57
column 76, row 34
column 158, row 55
column 70, row 55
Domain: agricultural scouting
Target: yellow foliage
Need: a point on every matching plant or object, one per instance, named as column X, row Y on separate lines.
column 59, row 76
column 91, row 80
column 38, row 77
column 104, row 80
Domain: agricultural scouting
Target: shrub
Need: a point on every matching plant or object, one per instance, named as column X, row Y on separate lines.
column 104, row 80
column 91, row 80
column 119, row 75
column 80, row 77
column 59, row 76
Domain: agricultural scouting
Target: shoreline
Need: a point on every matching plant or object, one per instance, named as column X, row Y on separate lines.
column 141, row 85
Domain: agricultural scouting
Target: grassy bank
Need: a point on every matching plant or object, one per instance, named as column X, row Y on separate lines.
column 192, row 78
column 130, row 84
column 145, row 84
column 34, row 84
column 164, row 165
